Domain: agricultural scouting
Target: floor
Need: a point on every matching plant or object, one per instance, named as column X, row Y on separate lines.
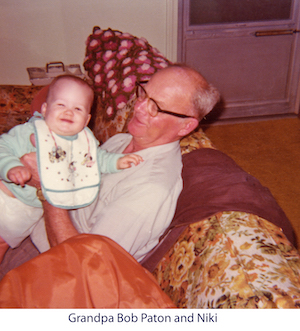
column 270, row 151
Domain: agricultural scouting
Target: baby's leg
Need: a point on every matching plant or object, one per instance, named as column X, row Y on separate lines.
column 3, row 248
column 3, row 244
column 17, row 221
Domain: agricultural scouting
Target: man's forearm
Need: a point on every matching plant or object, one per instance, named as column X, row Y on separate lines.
column 58, row 224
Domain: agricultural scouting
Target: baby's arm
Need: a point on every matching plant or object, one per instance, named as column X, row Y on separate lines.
column 126, row 161
column 19, row 175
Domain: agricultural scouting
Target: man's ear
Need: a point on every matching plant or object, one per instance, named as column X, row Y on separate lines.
column 189, row 126
column 44, row 109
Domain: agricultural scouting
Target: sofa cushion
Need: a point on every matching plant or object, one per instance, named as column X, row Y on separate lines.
column 227, row 187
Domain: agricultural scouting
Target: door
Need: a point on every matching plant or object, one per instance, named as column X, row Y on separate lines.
column 249, row 49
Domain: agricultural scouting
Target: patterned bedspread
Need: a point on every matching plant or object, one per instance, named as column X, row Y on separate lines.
column 231, row 260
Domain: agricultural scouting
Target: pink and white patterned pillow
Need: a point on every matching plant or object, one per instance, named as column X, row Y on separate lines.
column 114, row 62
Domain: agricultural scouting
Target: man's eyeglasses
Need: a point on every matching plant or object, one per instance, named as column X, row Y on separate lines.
column 152, row 105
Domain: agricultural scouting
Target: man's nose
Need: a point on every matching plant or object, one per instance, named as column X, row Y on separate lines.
column 141, row 106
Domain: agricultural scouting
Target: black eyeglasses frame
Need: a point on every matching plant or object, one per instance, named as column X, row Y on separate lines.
column 159, row 110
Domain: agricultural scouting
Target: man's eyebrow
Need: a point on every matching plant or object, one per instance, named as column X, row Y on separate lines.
column 160, row 103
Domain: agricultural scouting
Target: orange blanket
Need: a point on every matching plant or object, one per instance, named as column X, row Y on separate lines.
column 86, row 271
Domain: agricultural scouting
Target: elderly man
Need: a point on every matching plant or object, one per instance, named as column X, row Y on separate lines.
column 133, row 209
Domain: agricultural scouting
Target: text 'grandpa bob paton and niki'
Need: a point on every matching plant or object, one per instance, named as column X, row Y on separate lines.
column 144, row 318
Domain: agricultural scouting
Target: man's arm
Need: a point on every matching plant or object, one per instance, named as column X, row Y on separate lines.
column 58, row 224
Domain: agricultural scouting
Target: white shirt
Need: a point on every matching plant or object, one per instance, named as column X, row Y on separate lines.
column 135, row 205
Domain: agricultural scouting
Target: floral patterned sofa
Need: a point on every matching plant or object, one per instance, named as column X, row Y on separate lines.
column 229, row 259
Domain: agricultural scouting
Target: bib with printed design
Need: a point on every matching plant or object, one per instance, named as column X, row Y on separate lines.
column 68, row 168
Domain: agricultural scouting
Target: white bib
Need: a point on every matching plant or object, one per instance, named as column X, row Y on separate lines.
column 68, row 169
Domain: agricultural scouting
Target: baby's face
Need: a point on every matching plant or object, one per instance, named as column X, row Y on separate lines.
column 67, row 110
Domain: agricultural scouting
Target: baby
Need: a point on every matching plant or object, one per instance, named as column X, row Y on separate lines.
column 69, row 161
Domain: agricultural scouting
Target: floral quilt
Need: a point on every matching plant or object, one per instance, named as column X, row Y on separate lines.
column 231, row 260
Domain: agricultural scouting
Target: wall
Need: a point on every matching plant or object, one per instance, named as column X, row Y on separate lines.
column 35, row 32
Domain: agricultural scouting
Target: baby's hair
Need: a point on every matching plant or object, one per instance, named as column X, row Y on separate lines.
column 73, row 78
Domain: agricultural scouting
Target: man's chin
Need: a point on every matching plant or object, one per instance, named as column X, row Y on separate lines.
column 135, row 126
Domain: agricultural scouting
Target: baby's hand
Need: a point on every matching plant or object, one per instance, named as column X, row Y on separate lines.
column 19, row 175
column 126, row 161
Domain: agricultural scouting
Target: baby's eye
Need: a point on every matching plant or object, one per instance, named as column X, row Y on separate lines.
column 60, row 105
column 78, row 109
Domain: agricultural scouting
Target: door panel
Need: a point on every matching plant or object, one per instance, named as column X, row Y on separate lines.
column 232, row 11
column 256, row 75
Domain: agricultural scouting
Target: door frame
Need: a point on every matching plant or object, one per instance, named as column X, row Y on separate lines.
column 186, row 32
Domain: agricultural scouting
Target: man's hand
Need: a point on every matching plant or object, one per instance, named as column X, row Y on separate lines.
column 19, row 175
column 126, row 161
